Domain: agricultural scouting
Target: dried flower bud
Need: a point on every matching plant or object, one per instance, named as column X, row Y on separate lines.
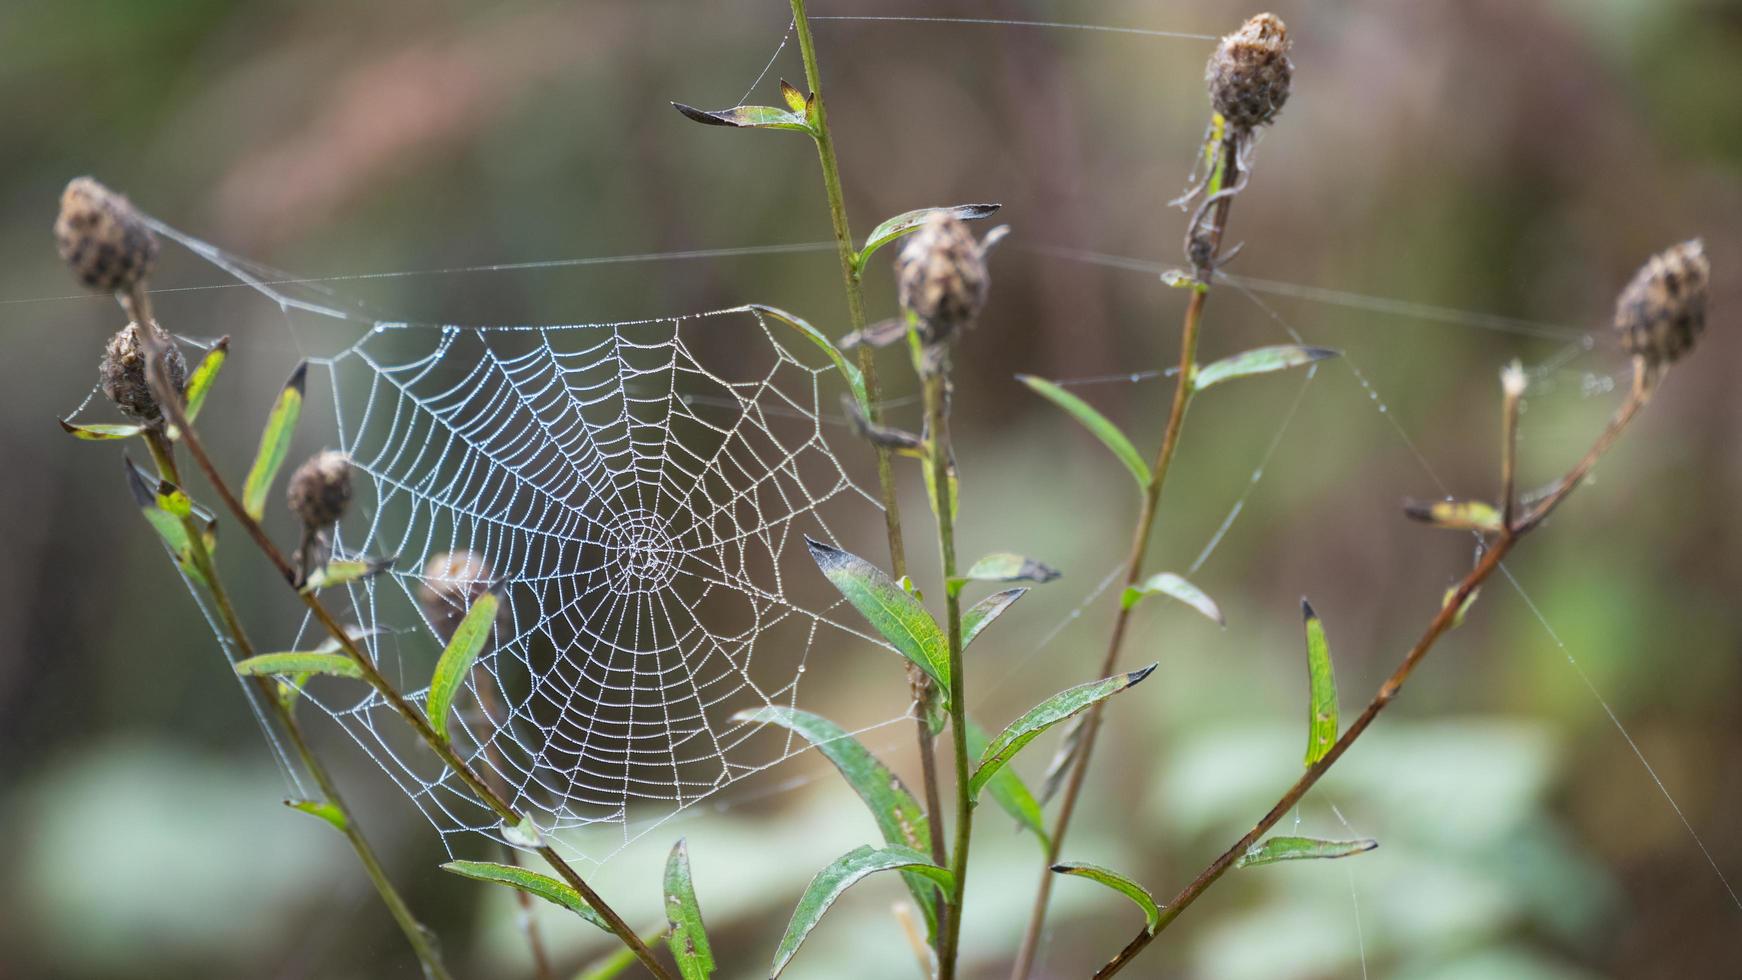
column 320, row 489
column 452, row 581
column 102, row 238
column 122, row 373
column 940, row 273
column 1662, row 311
column 1249, row 74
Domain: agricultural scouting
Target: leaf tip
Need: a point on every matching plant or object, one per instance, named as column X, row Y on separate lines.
column 1136, row 677
column 298, row 378
column 1306, row 610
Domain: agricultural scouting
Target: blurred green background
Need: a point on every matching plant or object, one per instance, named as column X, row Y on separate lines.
column 1509, row 157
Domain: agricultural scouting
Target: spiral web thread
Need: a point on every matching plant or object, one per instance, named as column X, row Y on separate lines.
column 642, row 516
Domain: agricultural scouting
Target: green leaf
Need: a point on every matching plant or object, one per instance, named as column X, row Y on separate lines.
column 322, row 809
column 1463, row 610
column 1322, row 725
column 931, row 487
column 895, row 615
column 747, row 117
column 462, row 651
column 909, row 221
column 1043, row 716
column 1096, row 423
column 300, row 662
column 855, row 380
column 795, row 99
column 169, row 526
column 1003, row 566
column 530, row 882
column 1171, row 585
column 1009, row 791
column 1301, row 849
column 200, row 382
column 101, row 431
column 837, row 878
column 898, row 814
column 981, row 614
column 618, row 962
column 274, row 443
column 689, row 938
column 1457, row 515
column 1261, row 361
column 343, row 571
column 1119, row 883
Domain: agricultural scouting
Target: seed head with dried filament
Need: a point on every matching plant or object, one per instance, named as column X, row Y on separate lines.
column 940, row 275
column 1249, row 75
column 105, row 242
column 1663, row 310
column 122, row 374
column 320, row 489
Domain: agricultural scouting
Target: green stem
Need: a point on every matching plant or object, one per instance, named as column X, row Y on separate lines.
column 1138, row 553
column 420, row 938
column 851, row 278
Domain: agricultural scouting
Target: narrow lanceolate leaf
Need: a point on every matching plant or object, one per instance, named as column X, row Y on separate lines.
column 980, row 615
column 795, row 99
column 688, row 938
column 345, row 570
column 898, row 815
column 1009, row 791
column 1322, row 726
column 1458, row 515
column 169, row 526
column 1003, row 566
column 299, row 662
column 322, row 809
column 895, row 615
column 747, row 117
column 837, row 878
column 1096, row 423
column 1301, row 849
column 101, row 431
column 463, row 648
column 1043, row 716
column 532, row 883
column 200, row 382
column 909, row 221
column 1261, row 361
column 274, row 443
column 1119, row 883
column 855, row 380
column 1171, row 585
column 1463, row 608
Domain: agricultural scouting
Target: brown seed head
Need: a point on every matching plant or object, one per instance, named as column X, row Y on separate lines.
column 1663, row 310
column 122, row 374
column 452, row 581
column 940, row 274
column 1249, row 74
column 102, row 238
column 320, row 489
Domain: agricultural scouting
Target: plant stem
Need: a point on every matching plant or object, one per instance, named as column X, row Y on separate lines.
column 1437, row 627
column 1140, row 536
column 851, row 278
column 420, row 938
column 173, row 409
column 938, row 445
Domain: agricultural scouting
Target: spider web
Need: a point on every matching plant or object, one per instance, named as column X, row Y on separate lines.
column 637, row 505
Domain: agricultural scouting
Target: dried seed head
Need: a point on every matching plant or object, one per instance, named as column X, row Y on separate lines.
column 122, row 373
column 1662, row 311
column 452, row 581
column 940, row 274
column 102, row 238
column 1249, row 74
column 320, row 489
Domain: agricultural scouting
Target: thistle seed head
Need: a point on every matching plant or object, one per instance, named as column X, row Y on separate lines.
column 1663, row 310
column 102, row 238
column 940, row 275
column 1249, row 74
column 452, row 581
column 320, row 489
column 122, row 374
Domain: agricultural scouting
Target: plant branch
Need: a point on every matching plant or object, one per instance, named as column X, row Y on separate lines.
column 173, row 409
column 1437, row 627
column 1139, row 550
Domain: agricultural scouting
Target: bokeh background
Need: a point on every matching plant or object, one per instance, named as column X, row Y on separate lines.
column 1510, row 158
